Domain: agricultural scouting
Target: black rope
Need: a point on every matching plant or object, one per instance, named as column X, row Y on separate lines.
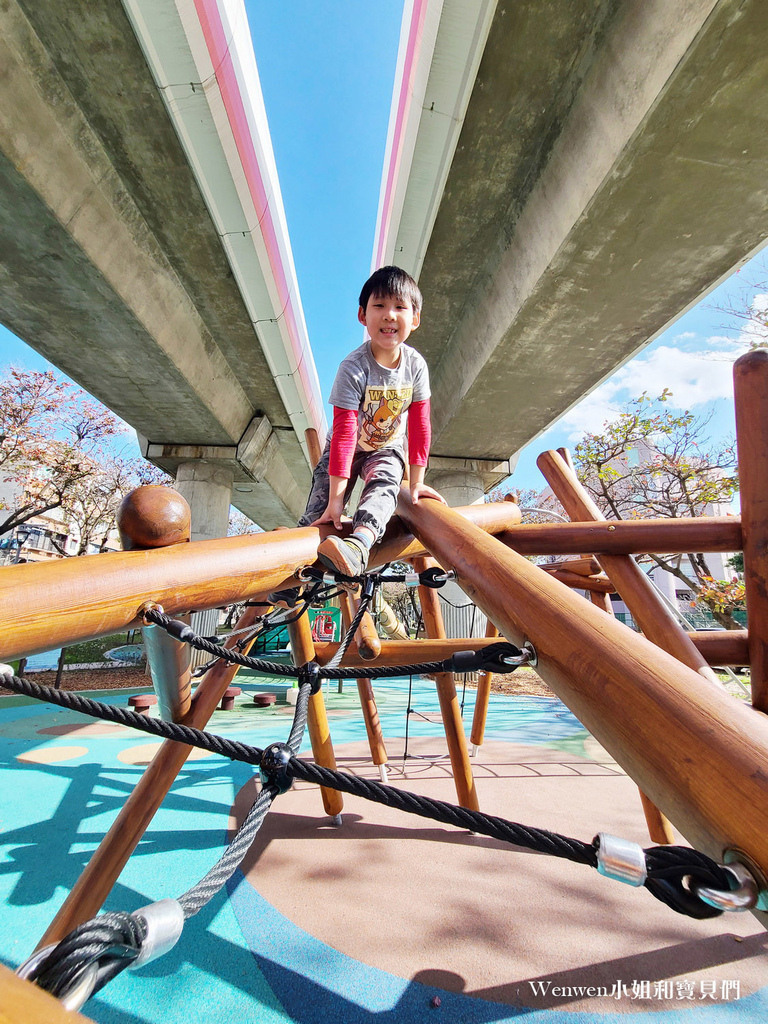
column 489, row 658
column 669, row 866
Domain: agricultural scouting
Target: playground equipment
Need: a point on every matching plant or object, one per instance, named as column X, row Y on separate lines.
column 699, row 756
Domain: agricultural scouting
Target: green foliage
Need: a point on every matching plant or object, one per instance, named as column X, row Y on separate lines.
column 653, row 462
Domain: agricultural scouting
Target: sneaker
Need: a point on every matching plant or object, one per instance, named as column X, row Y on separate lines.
column 348, row 557
column 285, row 598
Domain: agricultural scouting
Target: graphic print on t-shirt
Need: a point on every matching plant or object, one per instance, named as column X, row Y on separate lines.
column 382, row 419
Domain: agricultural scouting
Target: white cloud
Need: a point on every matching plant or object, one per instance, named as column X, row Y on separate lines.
column 694, row 378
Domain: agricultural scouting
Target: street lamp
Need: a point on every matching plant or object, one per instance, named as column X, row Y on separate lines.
column 22, row 536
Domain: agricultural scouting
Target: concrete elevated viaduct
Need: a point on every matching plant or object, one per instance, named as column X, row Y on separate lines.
column 143, row 243
column 565, row 180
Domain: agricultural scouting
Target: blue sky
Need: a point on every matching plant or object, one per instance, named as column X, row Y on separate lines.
column 327, row 72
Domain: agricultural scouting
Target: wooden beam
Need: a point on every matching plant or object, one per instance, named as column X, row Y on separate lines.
column 152, row 517
column 49, row 604
column 637, row 592
column 719, row 647
column 750, row 381
column 23, row 1002
column 365, row 690
column 483, row 695
column 638, row 537
column 700, row 754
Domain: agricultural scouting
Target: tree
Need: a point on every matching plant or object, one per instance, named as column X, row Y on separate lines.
column 239, row 523
column 749, row 308
column 51, row 437
column 652, row 462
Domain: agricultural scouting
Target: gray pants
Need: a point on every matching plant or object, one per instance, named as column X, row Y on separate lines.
column 382, row 473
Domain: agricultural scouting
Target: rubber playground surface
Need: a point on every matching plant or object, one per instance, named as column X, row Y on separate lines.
column 388, row 917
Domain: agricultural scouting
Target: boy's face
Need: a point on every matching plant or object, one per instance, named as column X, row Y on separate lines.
column 390, row 322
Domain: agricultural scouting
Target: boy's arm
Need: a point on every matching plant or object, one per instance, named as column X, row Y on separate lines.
column 343, row 441
column 419, row 438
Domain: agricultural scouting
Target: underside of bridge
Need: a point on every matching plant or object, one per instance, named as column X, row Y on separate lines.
column 112, row 266
column 565, row 179
column 606, row 168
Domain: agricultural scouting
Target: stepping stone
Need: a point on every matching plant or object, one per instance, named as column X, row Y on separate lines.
column 228, row 700
column 263, row 700
column 142, row 702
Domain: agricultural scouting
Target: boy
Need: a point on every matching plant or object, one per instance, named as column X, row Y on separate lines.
column 378, row 388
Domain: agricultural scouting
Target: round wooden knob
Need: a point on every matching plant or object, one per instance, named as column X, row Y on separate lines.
column 153, row 516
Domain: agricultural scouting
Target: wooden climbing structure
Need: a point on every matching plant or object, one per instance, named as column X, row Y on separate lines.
column 699, row 756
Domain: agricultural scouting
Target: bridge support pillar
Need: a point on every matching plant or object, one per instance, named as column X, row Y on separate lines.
column 208, row 490
column 464, row 482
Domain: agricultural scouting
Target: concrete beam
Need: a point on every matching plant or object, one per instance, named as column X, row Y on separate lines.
column 611, row 169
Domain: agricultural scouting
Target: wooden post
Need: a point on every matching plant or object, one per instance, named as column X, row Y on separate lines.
column 110, row 857
column 750, row 380
column 303, row 649
column 482, row 699
column 692, row 748
column 154, row 517
column 367, row 701
column 636, row 590
column 314, row 449
column 446, row 692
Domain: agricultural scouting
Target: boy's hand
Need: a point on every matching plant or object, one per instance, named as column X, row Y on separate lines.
column 420, row 490
column 332, row 514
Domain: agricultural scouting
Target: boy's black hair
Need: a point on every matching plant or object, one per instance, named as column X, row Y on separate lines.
column 391, row 281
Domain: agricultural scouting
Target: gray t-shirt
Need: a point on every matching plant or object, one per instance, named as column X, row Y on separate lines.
column 381, row 396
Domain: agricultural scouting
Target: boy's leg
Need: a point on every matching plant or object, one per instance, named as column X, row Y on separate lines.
column 382, row 473
column 316, row 503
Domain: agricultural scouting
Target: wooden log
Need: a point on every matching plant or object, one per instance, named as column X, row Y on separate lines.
column 659, row 828
column 432, row 616
column 22, row 1002
column 596, row 584
column 640, row 537
column 365, row 689
column 750, row 381
column 303, row 650
column 723, row 646
column 483, row 696
column 601, row 601
column 648, row 610
column 404, row 652
column 587, row 565
column 314, row 448
column 699, row 754
column 108, row 860
column 155, row 517
column 719, row 647
column 366, row 637
column 49, row 604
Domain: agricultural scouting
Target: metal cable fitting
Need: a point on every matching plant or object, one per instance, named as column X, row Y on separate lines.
column 621, row 859
column 77, row 992
column 743, row 896
column 164, row 922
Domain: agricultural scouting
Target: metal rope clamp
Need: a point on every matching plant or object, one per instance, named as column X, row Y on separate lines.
column 435, row 577
column 273, row 766
column 621, row 859
column 310, row 673
column 163, row 924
